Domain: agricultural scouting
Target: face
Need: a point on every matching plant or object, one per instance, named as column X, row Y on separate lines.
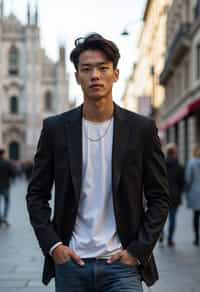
column 96, row 75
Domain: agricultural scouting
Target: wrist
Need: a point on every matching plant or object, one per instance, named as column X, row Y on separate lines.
column 53, row 248
column 137, row 261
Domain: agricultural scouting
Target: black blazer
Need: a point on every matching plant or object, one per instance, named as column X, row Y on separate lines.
column 138, row 168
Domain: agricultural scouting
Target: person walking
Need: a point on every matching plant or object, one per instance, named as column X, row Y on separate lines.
column 102, row 158
column 6, row 175
column 176, row 186
column 192, row 177
column 27, row 169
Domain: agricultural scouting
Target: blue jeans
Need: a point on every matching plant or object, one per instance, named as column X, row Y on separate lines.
column 97, row 276
column 4, row 196
column 172, row 222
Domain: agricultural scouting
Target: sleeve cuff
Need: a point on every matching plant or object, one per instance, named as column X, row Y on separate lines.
column 54, row 246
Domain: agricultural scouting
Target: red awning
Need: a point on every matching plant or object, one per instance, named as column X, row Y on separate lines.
column 180, row 115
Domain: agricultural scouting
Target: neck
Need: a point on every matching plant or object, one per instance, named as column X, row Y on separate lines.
column 98, row 111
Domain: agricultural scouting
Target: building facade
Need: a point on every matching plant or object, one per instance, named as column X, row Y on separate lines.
column 32, row 86
column 143, row 86
column 180, row 114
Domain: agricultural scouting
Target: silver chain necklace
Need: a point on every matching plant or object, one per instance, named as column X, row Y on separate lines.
column 99, row 138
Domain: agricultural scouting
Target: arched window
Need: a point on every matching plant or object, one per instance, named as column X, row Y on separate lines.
column 48, row 101
column 14, row 151
column 14, row 106
column 13, row 61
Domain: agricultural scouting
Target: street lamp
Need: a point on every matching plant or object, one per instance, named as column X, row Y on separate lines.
column 152, row 72
column 153, row 108
column 125, row 31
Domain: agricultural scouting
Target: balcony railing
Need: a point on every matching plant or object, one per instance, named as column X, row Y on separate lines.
column 177, row 50
column 13, row 79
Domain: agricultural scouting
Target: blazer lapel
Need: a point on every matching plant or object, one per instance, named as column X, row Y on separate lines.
column 120, row 142
column 74, row 130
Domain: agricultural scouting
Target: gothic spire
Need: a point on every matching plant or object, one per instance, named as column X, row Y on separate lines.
column 2, row 9
column 36, row 15
column 28, row 13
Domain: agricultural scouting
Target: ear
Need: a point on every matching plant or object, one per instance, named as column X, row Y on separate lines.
column 116, row 75
column 77, row 77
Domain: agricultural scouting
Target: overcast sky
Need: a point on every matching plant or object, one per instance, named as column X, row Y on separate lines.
column 62, row 21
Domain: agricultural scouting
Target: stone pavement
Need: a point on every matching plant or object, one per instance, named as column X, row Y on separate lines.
column 21, row 261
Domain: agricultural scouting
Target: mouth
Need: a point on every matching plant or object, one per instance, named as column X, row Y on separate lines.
column 96, row 86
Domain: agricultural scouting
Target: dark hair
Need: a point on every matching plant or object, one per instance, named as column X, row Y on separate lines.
column 196, row 151
column 95, row 41
column 171, row 150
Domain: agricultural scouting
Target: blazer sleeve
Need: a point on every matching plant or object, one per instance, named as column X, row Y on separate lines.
column 39, row 191
column 156, row 192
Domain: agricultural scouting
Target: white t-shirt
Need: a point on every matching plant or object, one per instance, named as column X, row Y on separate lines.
column 95, row 233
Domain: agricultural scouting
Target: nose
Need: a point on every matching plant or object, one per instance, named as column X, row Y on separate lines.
column 95, row 74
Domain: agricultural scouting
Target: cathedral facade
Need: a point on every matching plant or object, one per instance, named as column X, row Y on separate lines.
column 32, row 87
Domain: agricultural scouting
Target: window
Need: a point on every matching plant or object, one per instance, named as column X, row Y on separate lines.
column 48, row 102
column 167, row 136
column 14, row 107
column 196, row 9
column 176, row 132
column 13, row 61
column 186, row 76
column 198, row 61
column 178, row 86
column 171, row 92
column 14, row 149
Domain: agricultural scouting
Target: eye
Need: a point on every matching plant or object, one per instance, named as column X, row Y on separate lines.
column 104, row 68
column 85, row 69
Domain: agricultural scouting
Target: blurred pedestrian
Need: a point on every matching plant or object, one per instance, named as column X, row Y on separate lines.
column 18, row 168
column 101, row 158
column 28, row 167
column 192, row 177
column 176, row 186
column 6, row 175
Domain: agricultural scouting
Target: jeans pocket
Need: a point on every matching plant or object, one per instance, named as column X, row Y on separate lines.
column 65, row 263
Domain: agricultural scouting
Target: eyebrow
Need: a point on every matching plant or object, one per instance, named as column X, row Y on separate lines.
column 95, row 64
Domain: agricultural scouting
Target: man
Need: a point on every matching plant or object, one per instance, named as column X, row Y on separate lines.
column 176, row 185
column 175, row 173
column 102, row 159
column 6, row 174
